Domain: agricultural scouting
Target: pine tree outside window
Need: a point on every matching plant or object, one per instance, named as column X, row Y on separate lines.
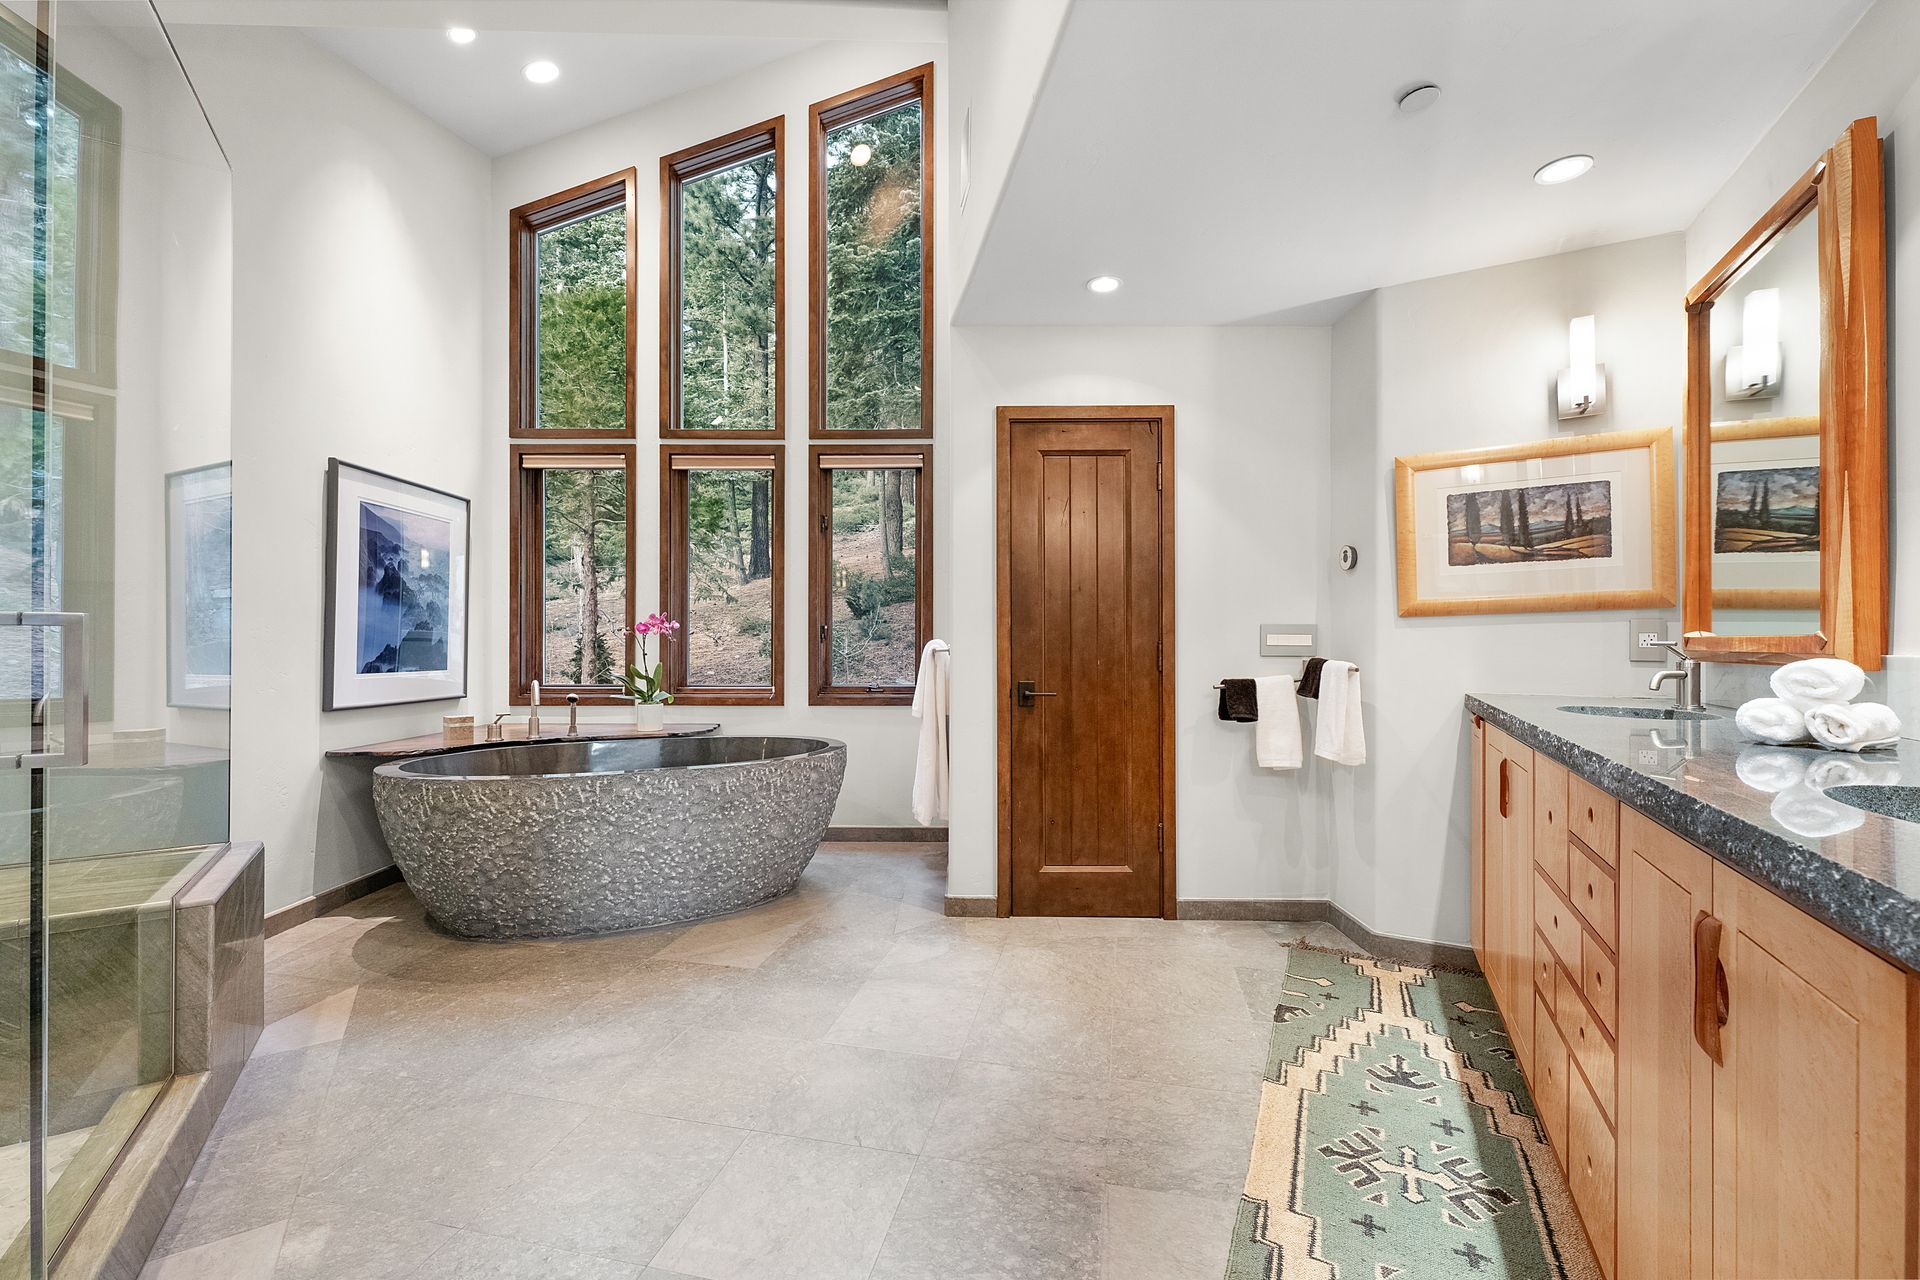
column 722, row 572
column 573, row 550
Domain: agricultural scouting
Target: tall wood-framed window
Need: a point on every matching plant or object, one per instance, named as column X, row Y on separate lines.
column 870, row 259
column 572, row 568
column 722, row 566
column 870, row 571
column 723, row 287
column 571, row 299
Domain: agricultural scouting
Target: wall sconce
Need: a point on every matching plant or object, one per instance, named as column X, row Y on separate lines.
column 1753, row 368
column 1582, row 386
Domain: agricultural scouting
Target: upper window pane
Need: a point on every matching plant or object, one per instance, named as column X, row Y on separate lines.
column 729, row 242
column 729, row 628
column 874, row 525
column 19, row 84
column 873, row 279
column 583, row 576
column 580, row 359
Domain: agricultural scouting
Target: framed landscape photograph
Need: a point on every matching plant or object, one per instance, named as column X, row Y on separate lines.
column 1764, row 479
column 1581, row 522
column 200, row 587
column 396, row 604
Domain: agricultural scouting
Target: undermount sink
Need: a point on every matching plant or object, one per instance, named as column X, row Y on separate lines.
column 1889, row 802
column 1643, row 713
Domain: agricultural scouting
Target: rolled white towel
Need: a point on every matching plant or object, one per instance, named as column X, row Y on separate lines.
column 1772, row 720
column 1815, row 682
column 1769, row 769
column 1855, row 727
column 1806, row 812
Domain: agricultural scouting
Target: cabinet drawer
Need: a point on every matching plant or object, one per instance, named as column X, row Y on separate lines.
column 1593, row 817
column 1598, row 980
column 1594, row 895
column 1590, row 1171
column 1552, row 917
column 1550, row 819
column 1587, row 1045
column 1543, row 968
column 1549, row 1078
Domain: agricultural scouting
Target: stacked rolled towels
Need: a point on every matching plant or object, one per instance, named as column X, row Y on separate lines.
column 1814, row 702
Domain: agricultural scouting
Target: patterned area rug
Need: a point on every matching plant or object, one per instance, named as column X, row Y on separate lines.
column 1396, row 1138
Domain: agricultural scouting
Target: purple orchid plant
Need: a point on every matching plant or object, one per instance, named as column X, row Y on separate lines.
column 647, row 682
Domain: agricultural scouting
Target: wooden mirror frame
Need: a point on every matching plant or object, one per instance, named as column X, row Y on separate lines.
column 1845, row 188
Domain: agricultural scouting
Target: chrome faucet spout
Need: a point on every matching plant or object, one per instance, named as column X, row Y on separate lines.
column 533, row 716
column 573, row 715
column 1685, row 679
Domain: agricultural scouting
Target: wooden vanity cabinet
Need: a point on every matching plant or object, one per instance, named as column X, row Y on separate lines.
column 1732, row 1087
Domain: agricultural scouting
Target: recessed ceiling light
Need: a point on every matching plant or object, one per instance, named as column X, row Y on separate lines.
column 1103, row 284
column 461, row 35
column 1418, row 98
column 541, row 72
column 860, row 154
column 1565, row 169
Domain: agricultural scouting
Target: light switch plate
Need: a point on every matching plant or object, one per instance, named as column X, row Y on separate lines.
column 1288, row 639
column 1640, row 649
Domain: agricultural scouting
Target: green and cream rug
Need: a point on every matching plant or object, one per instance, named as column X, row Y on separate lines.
column 1396, row 1138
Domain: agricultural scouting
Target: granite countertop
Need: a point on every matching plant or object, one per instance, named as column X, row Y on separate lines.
column 433, row 744
column 1759, row 809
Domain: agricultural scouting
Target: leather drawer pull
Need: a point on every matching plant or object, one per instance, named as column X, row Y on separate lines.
column 1711, row 999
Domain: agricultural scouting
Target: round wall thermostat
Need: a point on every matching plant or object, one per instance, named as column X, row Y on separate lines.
column 1349, row 557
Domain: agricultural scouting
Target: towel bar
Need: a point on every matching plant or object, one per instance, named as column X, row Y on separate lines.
column 1296, row 679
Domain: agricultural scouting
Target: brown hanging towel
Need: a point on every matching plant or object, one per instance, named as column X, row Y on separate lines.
column 1238, row 701
column 1310, row 678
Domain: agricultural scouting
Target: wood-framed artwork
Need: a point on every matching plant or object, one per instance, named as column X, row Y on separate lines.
column 396, row 591
column 1764, row 478
column 1580, row 522
column 200, row 587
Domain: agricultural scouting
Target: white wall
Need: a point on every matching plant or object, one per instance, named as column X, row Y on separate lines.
column 1462, row 362
column 359, row 239
column 1250, row 454
column 880, row 740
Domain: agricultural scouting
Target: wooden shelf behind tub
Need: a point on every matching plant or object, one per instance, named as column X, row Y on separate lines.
column 433, row 744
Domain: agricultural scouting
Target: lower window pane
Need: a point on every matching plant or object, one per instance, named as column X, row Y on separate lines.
column 729, row 625
column 876, row 577
column 584, row 576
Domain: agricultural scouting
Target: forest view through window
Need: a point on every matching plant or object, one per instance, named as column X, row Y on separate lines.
column 728, row 262
column 731, row 625
column 583, row 575
column 580, row 358
column 873, row 638
column 873, row 277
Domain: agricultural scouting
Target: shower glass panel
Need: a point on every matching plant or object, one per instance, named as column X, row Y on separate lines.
column 115, row 583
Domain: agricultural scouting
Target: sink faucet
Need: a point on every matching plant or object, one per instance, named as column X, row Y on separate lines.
column 533, row 716
column 1685, row 679
column 573, row 715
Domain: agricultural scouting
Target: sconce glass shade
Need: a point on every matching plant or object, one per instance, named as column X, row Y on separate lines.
column 1753, row 367
column 1582, row 386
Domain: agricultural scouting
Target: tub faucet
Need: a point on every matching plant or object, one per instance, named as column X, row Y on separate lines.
column 573, row 715
column 533, row 716
column 1685, row 679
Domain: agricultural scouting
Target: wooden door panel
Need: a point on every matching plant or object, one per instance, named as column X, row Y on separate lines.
column 1811, row 1176
column 1665, row 1079
column 1084, row 586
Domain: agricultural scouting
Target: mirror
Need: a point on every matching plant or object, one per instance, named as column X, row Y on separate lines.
column 1786, row 426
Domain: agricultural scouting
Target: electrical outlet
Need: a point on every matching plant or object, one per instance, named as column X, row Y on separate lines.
column 1646, row 638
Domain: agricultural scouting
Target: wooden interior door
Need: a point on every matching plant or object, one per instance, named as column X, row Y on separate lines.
column 1085, row 596
column 1811, row 1176
column 1665, row 1133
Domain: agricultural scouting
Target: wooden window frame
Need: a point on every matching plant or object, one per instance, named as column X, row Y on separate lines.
column 767, row 137
column 523, row 349
column 525, row 627
column 912, row 85
column 821, row 691
column 673, row 575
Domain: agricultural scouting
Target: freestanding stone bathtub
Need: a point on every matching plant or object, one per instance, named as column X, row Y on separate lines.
column 547, row 839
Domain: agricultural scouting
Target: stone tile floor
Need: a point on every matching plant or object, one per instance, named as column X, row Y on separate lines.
column 843, row 1083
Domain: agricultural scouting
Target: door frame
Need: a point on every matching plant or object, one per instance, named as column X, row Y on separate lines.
column 1004, row 417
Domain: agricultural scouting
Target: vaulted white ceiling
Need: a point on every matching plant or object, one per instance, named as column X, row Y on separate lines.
column 1243, row 160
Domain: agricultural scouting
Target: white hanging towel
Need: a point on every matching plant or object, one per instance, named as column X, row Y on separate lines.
column 1340, row 737
column 930, row 708
column 1276, row 734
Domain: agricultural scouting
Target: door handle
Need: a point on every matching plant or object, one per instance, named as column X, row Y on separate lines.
column 1711, row 1001
column 1503, row 787
column 73, row 689
column 1024, row 693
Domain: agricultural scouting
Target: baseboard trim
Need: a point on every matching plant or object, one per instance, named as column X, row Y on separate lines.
column 972, row 907
column 892, row 835
column 330, row 899
column 1386, row 946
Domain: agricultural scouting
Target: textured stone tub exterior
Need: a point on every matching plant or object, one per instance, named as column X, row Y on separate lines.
column 549, row 839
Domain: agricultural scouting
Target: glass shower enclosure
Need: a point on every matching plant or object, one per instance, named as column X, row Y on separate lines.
column 116, row 585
